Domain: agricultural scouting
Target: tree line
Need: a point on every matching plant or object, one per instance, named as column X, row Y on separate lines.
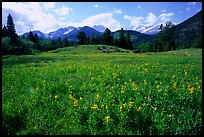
column 164, row 41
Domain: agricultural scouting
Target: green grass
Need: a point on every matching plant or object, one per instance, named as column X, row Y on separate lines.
column 81, row 90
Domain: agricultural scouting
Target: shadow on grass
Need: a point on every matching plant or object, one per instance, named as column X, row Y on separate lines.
column 11, row 124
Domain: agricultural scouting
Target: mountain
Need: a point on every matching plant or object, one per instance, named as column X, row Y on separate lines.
column 135, row 36
column 60, row 32
column 150, row 30
column 39, row 33
column 87, row 30
column 187, row 31
column 99, row 28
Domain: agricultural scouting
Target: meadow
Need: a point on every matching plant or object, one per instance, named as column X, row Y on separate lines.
column 83, row 91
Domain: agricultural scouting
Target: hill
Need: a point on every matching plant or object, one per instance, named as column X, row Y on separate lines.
column 135, row 36
column 187, row 31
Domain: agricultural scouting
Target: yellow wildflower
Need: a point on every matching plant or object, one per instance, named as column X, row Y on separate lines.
column 70, row 96
column 97, row 95
column 80, row 98
column 192, row 89
column 121, row 108
column 139, row 108
column 130, row 104
column 75, row 102
column 122, row 91
column 56, row 97
column 145, row 82
column 102, row 106
column 94, row 107
column 106, row 106
column 158, row 86
column 107, row 118
column 174, row 84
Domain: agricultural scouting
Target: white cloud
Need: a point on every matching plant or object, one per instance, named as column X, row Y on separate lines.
column 166, row 16
column 30, row 16
column 163, row 10
column 63, row 11
column 139, row 7
column 117, row 11
column 134, row 21
column 151, row 19
column 48, row 5
column 105, row 19
column 96, row 6
column 192, row 3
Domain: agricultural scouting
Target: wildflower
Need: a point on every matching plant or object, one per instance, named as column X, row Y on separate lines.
column 124, row 105
column 102, row 106
column 174, row 84
column 158, row 86
column 130, row 104
column 170, row 116
column 75, row 102
column 121, row 108
column 106, row 106
column 56, row 97
column 192, row 89
column 122, row 91
column 145, row 82
column 94, row 107
column 70, row 96
column 145, row 69
column 107, row 118
column 80, row 98
column 139, row 108
column 97, row 95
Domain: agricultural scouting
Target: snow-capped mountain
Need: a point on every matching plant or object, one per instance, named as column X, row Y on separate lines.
column 99, row 28
column 60, row 32
column 154, row 29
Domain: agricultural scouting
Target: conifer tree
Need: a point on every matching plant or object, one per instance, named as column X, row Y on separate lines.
column 4, row 31
column 11, row 32
column 107, row 37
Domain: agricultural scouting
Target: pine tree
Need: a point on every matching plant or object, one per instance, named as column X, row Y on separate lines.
column 59, row 42
column 82, row 38
column 107, row 37
column 65, row 42
column 92, row 39
column 129, row 42
column 122, row 40
column 11, row 32
column 4, row 31
column 30, row 36
column 35, row 38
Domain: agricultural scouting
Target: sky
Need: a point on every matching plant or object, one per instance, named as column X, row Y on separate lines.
column 50, row 16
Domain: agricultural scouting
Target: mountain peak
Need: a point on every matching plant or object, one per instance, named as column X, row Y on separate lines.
column 99, row 28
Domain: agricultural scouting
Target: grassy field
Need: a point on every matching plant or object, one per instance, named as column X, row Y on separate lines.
column 81, row 90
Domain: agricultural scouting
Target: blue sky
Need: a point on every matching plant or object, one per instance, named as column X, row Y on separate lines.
column 50, row 16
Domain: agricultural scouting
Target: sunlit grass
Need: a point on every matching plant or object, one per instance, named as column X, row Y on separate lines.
column 81, row 90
